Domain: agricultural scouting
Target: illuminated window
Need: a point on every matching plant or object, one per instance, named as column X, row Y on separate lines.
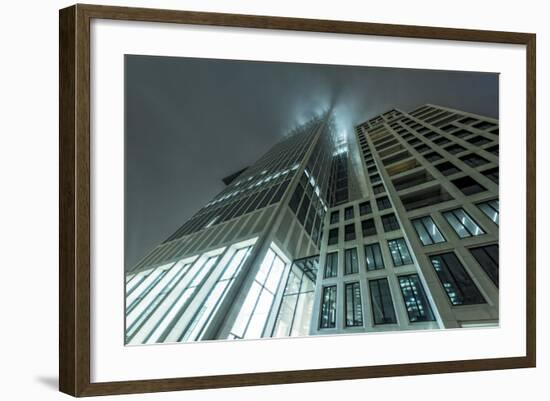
column 399, row 252
column 462, row 223
column 354, row 308
column 328, row 308
column 490, row 209
column 457, row 283
column 250, row 322
column 415, row 299
column 427, row 231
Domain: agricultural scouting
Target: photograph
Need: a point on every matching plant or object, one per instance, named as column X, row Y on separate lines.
column 271, row 200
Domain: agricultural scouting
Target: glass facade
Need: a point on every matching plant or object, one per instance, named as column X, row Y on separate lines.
column 296, row 307
column 250, row 322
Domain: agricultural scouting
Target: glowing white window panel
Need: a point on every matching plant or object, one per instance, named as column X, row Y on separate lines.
column 167, row 302
column 180, row 268
column 177, row 307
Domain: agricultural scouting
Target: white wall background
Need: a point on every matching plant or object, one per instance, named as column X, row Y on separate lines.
column 28, row 202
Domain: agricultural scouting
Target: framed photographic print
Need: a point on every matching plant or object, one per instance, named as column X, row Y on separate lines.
column 250, row 200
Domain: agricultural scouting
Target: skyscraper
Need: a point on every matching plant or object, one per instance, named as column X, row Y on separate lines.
column 396, row 231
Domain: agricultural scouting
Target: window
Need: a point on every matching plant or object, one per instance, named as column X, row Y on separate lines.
column 354, row 308
column 458, row 284
column 395, row 158
column 455, row 148
column 425, row 197
column 334, row 217
column 491, row 209
column 441, row 141
column 462, row 223
column 468, row 186
column 378, row 189
column 399, row 252
column 251, row 320
column 415, row 299
column 390, row 223
column 422, row 148
column 491, row 174
column 431, row 135
column 427, row 231
column 348, row 213
column 447, row 168
column 296, row 307
column 368, row 227
column 383, row 203
column 349, row 232
column 328, row 307
column 375, row 178
column 333, row 236
column 478, row 140
column 331, row 265
column 433, row 156
column 492, row 149
column 474, row 160
column 373, row 256
column 365, row 208
column 461, row 133
column 487, row 257
column 382, row 304
column 296, row 197
column 351, row 265
column 412, row 179
column 202, row 318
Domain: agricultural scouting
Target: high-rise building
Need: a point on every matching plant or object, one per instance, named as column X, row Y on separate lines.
column 396, row 231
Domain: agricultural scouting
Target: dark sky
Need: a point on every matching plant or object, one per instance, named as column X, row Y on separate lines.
column 191, row 122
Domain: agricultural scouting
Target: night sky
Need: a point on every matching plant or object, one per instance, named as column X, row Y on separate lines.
column 191, row 122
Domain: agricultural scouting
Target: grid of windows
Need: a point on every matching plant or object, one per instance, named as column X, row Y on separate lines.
column 456, row 281
column 416, row 302
column 328, row 308
column 462, row 223
column 354, row 309
column 382, row 305
column 399, row 252
column 373, row 256
column 427, row 231
column 487, row 257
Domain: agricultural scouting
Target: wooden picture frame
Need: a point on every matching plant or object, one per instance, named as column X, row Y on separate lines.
column 74, row 204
